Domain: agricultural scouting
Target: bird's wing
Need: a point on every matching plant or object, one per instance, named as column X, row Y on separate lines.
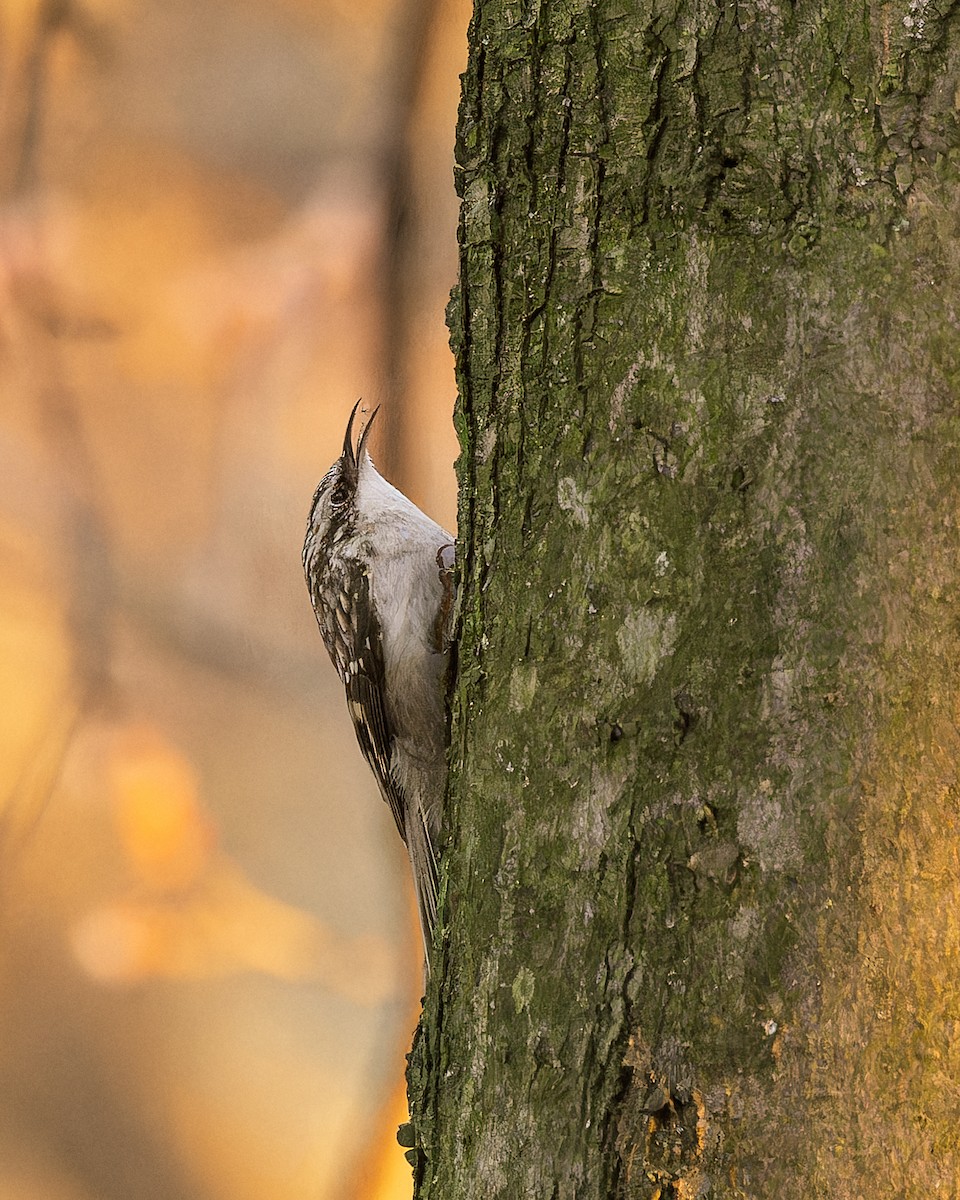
column 351, row 633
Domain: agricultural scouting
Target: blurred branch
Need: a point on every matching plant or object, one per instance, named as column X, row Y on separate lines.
column 201, row 635
column 400, row 282
column 25, row 805
column 92, row 576
column 29, row 36
column 22, row 145
column 25, row 67
column 90, row 583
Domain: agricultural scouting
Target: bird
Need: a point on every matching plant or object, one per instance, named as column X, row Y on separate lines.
column 380, row 574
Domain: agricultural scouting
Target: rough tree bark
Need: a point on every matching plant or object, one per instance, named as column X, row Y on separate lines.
column 702, row 919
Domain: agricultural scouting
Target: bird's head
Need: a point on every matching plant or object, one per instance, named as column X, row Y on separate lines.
column 334, row 501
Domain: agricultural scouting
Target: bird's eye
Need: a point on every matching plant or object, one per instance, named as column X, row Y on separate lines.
column 340, row 494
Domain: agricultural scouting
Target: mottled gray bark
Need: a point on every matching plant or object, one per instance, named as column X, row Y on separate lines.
column 702, row 925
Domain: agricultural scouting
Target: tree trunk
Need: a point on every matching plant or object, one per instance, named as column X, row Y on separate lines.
column 702, row 923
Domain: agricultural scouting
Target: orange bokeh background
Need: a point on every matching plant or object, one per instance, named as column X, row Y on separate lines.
column 220, row 224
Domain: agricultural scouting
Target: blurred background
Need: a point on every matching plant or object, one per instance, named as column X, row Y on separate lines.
column 220, row 224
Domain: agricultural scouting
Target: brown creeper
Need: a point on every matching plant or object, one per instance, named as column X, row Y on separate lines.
column 380, row 576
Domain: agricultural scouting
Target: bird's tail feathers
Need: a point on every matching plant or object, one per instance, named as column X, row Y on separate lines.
column 423, row 859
